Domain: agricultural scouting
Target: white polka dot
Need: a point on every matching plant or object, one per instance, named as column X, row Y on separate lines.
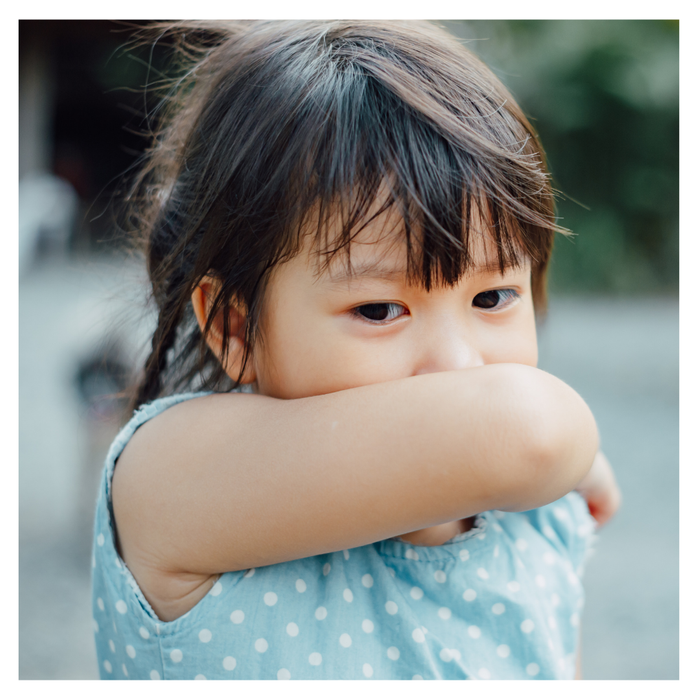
column 347, row 595
column 204, row 636
column 562, row 664
column 100, row 604
column 550, row 644
column 321, row 613
column 270, row 598
column 540, row 580
column 114, row 626
column 446, row 655
column 95, row 626
column 416, row 593
column 292, row 629
column 573, row 579
column 130, row 651
column 391, row 607
column 176, row 655
column 549, row 558
column 120, row 605
column 417, row 677
column 100, row 540
column 532, row 669
column 496, row 527
column 552, row 622
column 326, row 569
column 503, row 650
column 440, row 576
column 155, row 676
column 367, row 670
column 367, row 581
column 261, row 645
column 111, row 646
column 300, row 585
column 481, row 536
column 108, row 666
column 555, row 600
column 469, row 595
column 315, row 659
column 574, row 620
column 418, row 635
column 464, row 554
column 117, row 563
column 473, row 631
column 216, row 589
column 484, row 673
column 283, row 675
column 527, row 626
column 513, row 586
column 521, row 544
column 411, row 554
column 237, row 616
column 249, row 573
column 144, row 632
column 495, row 551
column 445, row 613
column 498, row 609
column 345, row 640
column 229, row 663
column 482, row 573
column 200, row 677
column 124, row 671
column 549, row 533
column 392, row 573
column 583, row 529
column 346, row 554
column 367, row 626
column 393, row 653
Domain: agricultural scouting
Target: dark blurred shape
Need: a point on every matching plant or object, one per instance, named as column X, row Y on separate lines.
column 101, row 381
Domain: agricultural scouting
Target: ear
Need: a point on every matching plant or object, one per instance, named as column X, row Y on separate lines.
column 202, row 302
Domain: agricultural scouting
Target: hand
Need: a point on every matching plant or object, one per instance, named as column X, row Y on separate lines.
column 600, row 490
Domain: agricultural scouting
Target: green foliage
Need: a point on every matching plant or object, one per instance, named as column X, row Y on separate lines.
column 603, row 96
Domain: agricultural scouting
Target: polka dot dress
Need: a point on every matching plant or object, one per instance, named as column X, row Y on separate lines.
column 502, row 601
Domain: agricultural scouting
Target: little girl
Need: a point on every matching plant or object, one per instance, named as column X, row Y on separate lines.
column 347, row 231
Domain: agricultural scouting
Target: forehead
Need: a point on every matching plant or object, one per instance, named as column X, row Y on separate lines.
column 380, row 250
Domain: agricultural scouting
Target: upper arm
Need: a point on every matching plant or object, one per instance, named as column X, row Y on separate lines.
column 227, row 482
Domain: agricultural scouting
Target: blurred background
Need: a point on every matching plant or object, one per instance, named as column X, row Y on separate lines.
column 603, row 96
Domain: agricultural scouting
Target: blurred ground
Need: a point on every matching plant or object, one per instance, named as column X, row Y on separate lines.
column 621, row 356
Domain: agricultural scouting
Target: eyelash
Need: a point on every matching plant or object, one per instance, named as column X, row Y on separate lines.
column 376, row 306
column 506, row 297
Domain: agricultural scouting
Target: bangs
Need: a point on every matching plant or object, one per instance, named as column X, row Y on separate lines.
column 453, row 173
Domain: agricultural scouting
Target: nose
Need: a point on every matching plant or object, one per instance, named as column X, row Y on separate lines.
column 448, row 347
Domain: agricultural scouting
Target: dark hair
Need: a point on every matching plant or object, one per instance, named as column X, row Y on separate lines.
column 278, row 128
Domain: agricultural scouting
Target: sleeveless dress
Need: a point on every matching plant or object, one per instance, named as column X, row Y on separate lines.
column 502, row 601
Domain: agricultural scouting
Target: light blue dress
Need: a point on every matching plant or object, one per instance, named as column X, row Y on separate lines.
column 502, row 601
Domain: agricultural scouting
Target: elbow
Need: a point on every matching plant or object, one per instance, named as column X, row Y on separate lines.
column 559, row 438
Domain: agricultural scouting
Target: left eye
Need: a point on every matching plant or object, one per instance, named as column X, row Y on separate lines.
column 495, row 299
column 381, row 312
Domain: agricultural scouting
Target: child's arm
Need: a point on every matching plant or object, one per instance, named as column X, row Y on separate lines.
column 228, row 482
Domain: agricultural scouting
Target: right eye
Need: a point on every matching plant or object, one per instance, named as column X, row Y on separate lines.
column 381, row 312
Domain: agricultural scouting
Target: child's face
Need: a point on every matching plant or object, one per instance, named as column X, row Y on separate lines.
column 324, row 332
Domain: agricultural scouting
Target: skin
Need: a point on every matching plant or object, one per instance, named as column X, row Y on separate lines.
column 438, row 403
